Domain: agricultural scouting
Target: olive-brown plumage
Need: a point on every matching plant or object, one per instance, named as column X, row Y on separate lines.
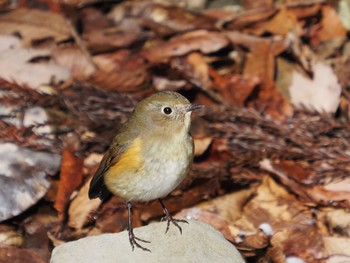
column 150, row 155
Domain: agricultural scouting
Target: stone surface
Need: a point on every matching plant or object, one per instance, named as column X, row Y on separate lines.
column 23, row 177
column 199, row 242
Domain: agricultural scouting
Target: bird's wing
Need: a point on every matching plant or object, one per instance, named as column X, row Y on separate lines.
column 117, row 148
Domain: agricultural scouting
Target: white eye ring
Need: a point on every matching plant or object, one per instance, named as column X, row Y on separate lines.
column 167, row 110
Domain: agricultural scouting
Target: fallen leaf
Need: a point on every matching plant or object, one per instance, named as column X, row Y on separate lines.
column 338, row 220
column 113, row 216
column 9, row 236
column 319, row 194
column 36, row 228
column 228, row 207
column 279, row 24
column 101, row 34
column 199, row 40
column 322, row 93
column 237, row 88
column 35, row 25
column 303, row 241
column 251, row 4
column 123, row 71
column 18, row 65
column 81, row 207
column 17, row 255
column 168, row 20
column 195, row 69
column 121, row 81
column 75, row 61
column 261, row 63
column 344, row 13
column 111, row 39
column 304, row 11
column 281, row 216
column 250, row 17
column 219, row 212
column 329, row 28
column 201, row 135
column 163, row 83
column 71, row 177
column 337, row 248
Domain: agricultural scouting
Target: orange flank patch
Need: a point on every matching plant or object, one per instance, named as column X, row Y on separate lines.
column 129, row 161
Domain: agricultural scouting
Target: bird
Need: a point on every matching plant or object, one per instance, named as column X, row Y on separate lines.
column 149, row 157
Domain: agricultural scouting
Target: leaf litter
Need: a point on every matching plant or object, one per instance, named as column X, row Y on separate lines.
column 271, row 170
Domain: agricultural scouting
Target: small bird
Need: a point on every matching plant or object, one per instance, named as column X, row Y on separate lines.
column 149, row 157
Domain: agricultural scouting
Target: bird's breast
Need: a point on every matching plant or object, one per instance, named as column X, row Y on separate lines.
column 160, row 166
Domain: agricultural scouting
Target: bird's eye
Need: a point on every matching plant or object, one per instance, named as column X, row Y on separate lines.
column 167, row 110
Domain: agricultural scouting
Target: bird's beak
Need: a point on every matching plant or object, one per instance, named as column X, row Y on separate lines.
column 194, row 107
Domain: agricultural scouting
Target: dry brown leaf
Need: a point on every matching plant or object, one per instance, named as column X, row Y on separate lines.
column 94, row 19
column 272, row 210
column 121, row 71
column 338, row 249
column 305, row 11
column 168, row 20
column 35, row 25
column 70, row 178
column 338, row 259
column 298, row 171
column 113, row 216
column 79, row 65
column 277, row 43
column 338, row 220
column 55, row 241
column 331, row 193
column 321, row 195
column 81, row 207
column 237, row 88
column 201, row 145
column 121, row 81
column 37, row 227
column 321, row 93
column 261, row 63
column 9, row 236
column 163, row 83
column 199, row 40
column 201, row 135
column 330, row 27
column 19, row 255
column 109, row 39
column 219, row 212
column 198, row 70
column 102, row 35
column 251, row 4
column 20, row 65
column 302, row 241
column 283, row 22
column 250, row 17
column 209, row 217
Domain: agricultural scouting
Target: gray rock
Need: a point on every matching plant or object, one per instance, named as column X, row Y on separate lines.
column 23, row 177
column 199, row 242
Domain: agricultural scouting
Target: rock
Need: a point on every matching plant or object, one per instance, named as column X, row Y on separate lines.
column 23, row 177
column 199, row 242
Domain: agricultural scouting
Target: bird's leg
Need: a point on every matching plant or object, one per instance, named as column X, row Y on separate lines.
column 132, row 238
column 169, row 218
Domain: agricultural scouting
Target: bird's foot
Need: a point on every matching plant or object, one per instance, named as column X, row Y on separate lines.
column 175, row 221
column 133, row 241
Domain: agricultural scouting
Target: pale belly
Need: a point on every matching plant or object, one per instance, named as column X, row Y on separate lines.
column 163, row 169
